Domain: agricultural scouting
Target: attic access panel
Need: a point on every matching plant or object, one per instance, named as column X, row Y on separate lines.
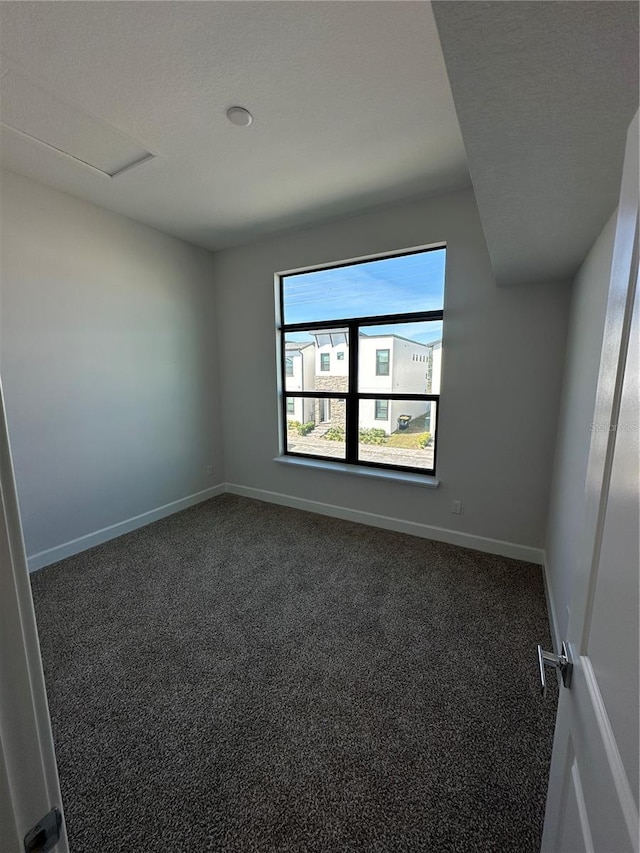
column 33, row 112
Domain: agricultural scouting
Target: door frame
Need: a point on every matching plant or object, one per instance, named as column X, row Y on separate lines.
column 29, row 784
column 599, row 739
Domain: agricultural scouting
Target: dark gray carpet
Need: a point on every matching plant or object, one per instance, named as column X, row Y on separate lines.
column 247, row 677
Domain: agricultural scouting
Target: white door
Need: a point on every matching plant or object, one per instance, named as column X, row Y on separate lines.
column 29, row 787
column 592, row 803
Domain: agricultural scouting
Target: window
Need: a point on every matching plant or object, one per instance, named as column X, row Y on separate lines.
column 289, row 365
column 382, row 362
column 381, row 410
column 362, row 311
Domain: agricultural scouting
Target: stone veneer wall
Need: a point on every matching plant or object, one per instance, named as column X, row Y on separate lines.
column 338, row 407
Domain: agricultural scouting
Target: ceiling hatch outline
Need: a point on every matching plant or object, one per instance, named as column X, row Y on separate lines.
column 31, row 110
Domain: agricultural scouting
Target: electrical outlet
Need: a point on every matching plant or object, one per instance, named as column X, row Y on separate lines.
column 209, row 470
column 456, row 508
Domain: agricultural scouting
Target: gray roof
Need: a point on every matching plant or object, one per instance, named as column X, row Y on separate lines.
column 297, row 345
column 400, row 338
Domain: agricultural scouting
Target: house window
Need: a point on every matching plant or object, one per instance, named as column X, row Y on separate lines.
column 289, row 366
column 382, row 362
column 362, row 310
column 290, row 405
column 381, row 410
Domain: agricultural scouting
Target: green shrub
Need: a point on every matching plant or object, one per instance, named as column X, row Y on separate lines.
column 334, row 433
column 301, row 429
column 375, row 435
column 423, row 439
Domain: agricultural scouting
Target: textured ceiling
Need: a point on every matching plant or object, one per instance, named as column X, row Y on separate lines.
column 351, row 106
column 544, row 92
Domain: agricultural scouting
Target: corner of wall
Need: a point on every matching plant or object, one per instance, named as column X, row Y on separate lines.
column 554, row 627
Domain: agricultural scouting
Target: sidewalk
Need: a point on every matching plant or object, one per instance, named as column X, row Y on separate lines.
column 367, row 452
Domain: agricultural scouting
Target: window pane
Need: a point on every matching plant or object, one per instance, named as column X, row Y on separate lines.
column 413, row 362
column 381, row 410
column 316, row 362
column 317, row 427
column 406, row 438
column 382, row 362
column 386, row 286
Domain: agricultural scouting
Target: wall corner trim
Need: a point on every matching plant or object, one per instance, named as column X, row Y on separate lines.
column 83, row 543
column 551, row 607
column 399, row 525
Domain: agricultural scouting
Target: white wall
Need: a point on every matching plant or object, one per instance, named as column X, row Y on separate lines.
column 503, row 365
column 303, row 361
column 405, row 407
column 337, row 367
column 584, row 343
column 437, row 368
column 367, row 417
column 406, row 376
column 409, row 376
column 108, row 359
column 368, row 379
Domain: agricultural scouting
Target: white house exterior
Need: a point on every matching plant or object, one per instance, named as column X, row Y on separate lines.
column 436, row 369
column 408, row 364
column 388, row 364
column 332, row 373
column 300, row 373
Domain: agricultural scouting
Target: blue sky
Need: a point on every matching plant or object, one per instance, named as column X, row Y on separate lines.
column 388, row 286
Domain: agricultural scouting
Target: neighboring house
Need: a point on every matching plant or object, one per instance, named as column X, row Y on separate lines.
column 397, row 365
column 434, row 367
column 332, row 373
column 388, row 364
column 300, row 372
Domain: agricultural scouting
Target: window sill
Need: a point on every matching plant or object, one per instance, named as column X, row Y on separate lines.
column 426, row 481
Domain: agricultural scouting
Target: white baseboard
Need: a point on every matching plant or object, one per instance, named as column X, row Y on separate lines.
column 551, row 607
column 75, row 546
column 399, row 525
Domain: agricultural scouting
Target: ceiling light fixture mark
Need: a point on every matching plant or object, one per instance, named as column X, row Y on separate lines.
column 239, row 116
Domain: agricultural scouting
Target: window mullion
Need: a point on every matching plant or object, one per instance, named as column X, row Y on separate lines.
column 381, row 319
column 352, row 400
column 283, row 378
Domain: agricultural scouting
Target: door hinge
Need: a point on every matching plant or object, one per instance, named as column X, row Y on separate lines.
column 45, row 834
